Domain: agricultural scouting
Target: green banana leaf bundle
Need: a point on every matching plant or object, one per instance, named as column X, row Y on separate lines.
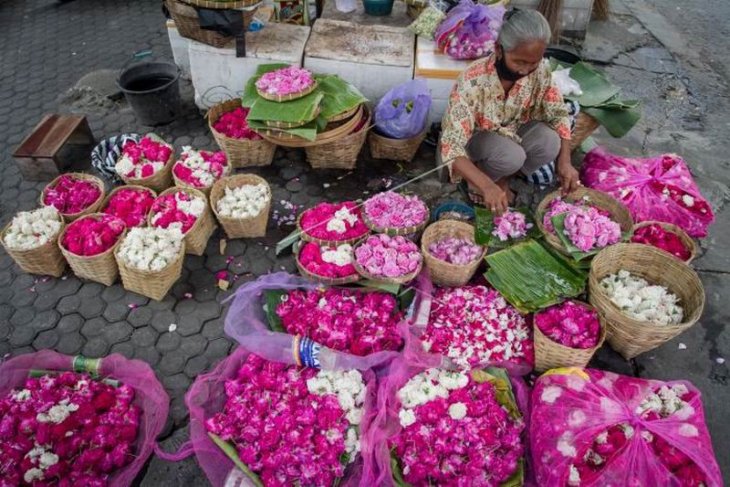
column 531, row 278
column 339, row 95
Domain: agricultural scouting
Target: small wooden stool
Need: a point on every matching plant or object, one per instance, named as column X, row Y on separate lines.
column 40, row 156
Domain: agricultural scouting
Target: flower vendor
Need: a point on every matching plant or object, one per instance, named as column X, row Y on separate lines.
column 506, row 116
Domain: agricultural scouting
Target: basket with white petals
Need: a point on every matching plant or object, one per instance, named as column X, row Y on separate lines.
column 242, row 204
column 30, row 239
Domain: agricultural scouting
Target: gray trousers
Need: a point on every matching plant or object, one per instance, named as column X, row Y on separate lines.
column 500, row 157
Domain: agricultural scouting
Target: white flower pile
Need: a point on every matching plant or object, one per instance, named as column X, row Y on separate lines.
column 667, row 402
column 427, row 386
column 42, row 459
column 339, row 256
column 349, row 388
column 31, row 229
column 151, row 249
column 58, row 413
column 245, row 201
column 643, row 301
column 340, row 220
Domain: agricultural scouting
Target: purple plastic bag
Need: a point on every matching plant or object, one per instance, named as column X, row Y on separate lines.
column 655, row 188
column 470, row 30
column 403, row 111
column 149, row 396
column 570, row 407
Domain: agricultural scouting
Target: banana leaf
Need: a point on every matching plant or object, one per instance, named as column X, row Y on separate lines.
column 339, row 95
column 484, row 224
column 307, row 132
column 531, row 278
column 273, row 298
column 617, row 121
column 249, row 91
column 596, row 88
column 396, row 471
column 231, row 453
column 287, row 242
column 302, row 109
column 575, row 252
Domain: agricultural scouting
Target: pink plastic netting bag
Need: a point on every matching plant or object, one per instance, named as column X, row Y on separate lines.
column 150, row 396
column 655, row 188
column 207, row 397
column 572, row 407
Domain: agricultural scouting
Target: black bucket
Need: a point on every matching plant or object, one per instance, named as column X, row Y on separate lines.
column 153, row 91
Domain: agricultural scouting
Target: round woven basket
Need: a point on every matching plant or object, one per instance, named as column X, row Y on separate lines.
column 220, row 4
column 206, row 191
column 688, row 242
column 188, row 24
column 550, row 354
column 45, row 260
column 240, row 152
column 308, row 238
column 631, row 337
column 330, row 281
column 344, row 115
column 290, row 96
column 619, row 213
column 341, row 153
column 410, row 232
column 382, row 147
column 443, row 273
column 153, row 284
column 334, row 132
column 585, row 125
column 290, row 125
column 92, row 208
column 235, row 227
column 385, row 280
column 196, row 239
column 159, row 181
column 127, row 186
column 100, row 268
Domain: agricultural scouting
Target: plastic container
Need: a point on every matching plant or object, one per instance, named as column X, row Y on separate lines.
column 378, row 8
column 153, row 91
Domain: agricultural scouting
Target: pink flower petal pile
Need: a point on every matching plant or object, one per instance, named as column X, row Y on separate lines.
column 394, row 210
column 131, row 205
column 71, row 195
column 311, row 258
column 233, row 124
column 285, row 81
column 384, row 256
column 341, row 319
column 458, row 251
column 315, row 222
column 200, row 169
column 66, row 430
column 142, row 157
column 586, row 226
column 570, row 324
column 92, row 235
column 511, row 225
column 475, row 326
column 656, row 236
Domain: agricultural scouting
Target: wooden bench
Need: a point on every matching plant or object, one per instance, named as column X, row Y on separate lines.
column 46, row 151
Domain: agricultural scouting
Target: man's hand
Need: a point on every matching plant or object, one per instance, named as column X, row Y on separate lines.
column 495, row 199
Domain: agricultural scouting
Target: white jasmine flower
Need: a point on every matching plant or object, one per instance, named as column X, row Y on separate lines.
column 48, row 459
column 243, row 202
column 21, row 395
column 31, row 229
column 407, row 417
column 33, row 474
column 457, row 411
column 151, row 248
column 688, row 201
column 340, row 256
column 688, row 430
column 642, row 301
column 574, row 477
column 565, row 445
column 550, row 394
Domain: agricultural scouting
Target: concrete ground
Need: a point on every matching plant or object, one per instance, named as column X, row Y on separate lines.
column 671, row 54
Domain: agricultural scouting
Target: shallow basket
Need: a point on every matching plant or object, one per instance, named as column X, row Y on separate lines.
column 585, row 125
column 444, row 273
column 45, row 260
column 127, row 186
column 159, row 181
column 179, row 183
column 220, row 4
column 308, row 238
column 290, row 96
column 92, row 208
column 235, row 227
column 385, row 280
column 550, row 354
column 100, row 268
column 382, row 147
column 330, row 281
column 688, row 242
column 340, row 129
column 619, row 213
column 631, row 337
column 410, row 232
column 196, row 239
column 240, row 152
column 188, row 25
column 153, row 284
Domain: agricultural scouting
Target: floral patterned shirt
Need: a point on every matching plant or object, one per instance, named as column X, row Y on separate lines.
column 478, row 102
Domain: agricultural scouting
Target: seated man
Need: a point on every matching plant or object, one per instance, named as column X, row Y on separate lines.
column 506, row 116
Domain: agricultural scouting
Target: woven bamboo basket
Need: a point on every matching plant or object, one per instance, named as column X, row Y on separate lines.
column 221, row 4
column 443, row 273
column 341, row 153
column 100, row 268
column 290, row 96
column 344, row 115
column 382, row 147
column 619, row 213
column 330, row 281
column 159, row 181
column 631, row 337
column 92, row 208
column 186, row 21
column 386, row 280
column 127, row 186
column 196, row 238
column 308, row 238
column 332, row 134
column 240, row 152
column 550, row 354
column 585, row 125
column 235, row 227
column 206, row 191
column 45, row 260
column 153, row 284
column 688, row 242
column 410, row 232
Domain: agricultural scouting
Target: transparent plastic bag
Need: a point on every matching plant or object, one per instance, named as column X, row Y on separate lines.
column 403, row 112
column 470, row 30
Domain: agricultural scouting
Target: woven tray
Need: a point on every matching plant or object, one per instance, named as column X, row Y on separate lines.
column 286, row 140
column 585, row 125
column 290, row 96
column 127, row 186
column 688, row 241
column 240, row 152
column 411, row 232
column 92, row 208
column 308, row 238
column 341, row 153
column 631, row 337
column 188, row 25
column 206, row 191
column 385, row 280
column 159, row 181
column 236, row 4
column 241, row 228
column 196, row 239
column 443, row 273
column 395, row 149
column 290, row 125
column 100, row 268
column 325, row 280
column 344, row 115
column 45, row 260
column 153, row 284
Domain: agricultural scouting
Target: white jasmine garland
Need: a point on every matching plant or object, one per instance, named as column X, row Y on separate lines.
column 642, row 301
column 339, row 256
column 245, row 201
column 31, row 229
column 151, row 249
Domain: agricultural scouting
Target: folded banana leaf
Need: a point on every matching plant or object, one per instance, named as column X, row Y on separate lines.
column 484, row 225
column 575, row 252
column 531, row 278
column 596, row 88
column 302, row 109
column 339, row 95
column 618, row 122
column 307, row 131
column 249, row 92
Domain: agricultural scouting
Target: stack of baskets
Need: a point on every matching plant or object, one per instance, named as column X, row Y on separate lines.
column 240, row 152
column 444, row 273
column 237, row 227
column 185, row 15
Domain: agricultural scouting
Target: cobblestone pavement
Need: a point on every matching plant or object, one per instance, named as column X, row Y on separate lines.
column 48, row 46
